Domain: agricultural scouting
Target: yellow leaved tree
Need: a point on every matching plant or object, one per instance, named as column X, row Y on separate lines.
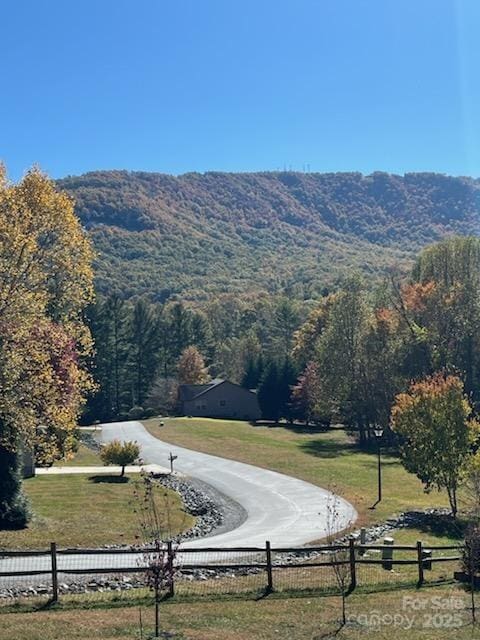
column 46, row 281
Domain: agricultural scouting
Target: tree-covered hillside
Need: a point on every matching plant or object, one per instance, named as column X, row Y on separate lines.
column 198, row 234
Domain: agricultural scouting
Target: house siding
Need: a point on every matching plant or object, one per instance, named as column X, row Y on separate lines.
column 226, row 400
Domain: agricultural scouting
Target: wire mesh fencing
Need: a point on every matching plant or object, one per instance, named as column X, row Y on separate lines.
column 112, row 574
column 396, row 565
column 25, row 576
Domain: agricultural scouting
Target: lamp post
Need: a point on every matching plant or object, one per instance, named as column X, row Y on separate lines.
column 378, row 431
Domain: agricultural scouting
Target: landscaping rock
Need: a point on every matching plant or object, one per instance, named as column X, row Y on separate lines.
column 195, row 500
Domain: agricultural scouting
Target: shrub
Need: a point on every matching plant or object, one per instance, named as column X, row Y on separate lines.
column 471, row 552
column 14, row 507
column 136, row 412
column 120, row 453
column 150, row 412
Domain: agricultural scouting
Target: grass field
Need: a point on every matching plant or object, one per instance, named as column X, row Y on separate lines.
column 84, row 457
column 328, row 459
column 405, row 614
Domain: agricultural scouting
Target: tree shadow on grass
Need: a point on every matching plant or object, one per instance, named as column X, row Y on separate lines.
column 335, row 449
column 442, row 525
column 329, row 448
column 297, row 427
column 107, row 479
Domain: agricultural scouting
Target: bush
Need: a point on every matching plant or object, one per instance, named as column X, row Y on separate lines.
column 150, row 412
column 120, row 453
column 14, row 506
column 136, row 413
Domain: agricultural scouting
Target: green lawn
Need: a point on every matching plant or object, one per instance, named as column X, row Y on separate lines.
column 328, row 459
column 83, row 511
column 84, row 457
column 305, row 618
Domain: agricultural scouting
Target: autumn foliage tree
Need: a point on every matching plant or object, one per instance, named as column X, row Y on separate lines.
column 45, row 285
column 306, row 394
column 434, row 422
column 440, row 308
column 120, row 453
column 191, row 367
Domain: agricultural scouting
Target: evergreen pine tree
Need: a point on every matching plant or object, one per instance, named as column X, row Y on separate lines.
column 268, row 396
column 252, row 374
column 287, row 378
column 143, row 350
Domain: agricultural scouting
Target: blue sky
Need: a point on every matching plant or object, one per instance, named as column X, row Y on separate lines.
column 240, row 85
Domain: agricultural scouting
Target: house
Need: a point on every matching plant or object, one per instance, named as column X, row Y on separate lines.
column 219, row 399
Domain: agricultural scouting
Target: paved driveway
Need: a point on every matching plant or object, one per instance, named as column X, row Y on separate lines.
column 284, row 510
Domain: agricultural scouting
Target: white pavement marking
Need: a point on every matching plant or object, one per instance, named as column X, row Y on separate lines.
column 110, row 470
column 285, row 510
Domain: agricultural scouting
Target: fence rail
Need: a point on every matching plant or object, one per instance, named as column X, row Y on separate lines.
column 215, row 568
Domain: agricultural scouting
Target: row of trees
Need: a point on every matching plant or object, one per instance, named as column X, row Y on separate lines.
column 351, row 358
column 345, row 359
column 140, row 345
column 359, row 350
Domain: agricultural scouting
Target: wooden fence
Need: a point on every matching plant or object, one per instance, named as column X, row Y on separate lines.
column 15, row 565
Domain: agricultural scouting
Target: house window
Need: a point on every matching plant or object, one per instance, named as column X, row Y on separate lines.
column 223, row 403
column 200, row 405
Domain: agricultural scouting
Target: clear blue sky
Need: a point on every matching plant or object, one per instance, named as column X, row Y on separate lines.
column 240, row 85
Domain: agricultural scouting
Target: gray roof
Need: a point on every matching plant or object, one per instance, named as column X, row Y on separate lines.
column 191, row 391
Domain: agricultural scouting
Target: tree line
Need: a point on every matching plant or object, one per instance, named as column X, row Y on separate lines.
column 144, row 349
column 402, row 353
column 343, row 358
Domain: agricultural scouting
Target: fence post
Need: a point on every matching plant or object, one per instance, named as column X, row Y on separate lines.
column 387, row 553
column 427, row 559
column 171, row 586
column 268, row 552
column 53, row 556
column 420, row 562
column 363, row 539
column 353, row 569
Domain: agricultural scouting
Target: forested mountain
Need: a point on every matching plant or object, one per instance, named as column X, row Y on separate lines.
column 198, row 234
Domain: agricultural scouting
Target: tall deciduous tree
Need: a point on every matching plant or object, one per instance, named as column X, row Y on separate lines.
column 306, row 394
column 305, row 339
column 45, row 285
column 444, row 300
column 380, row 378
column 340, row 355
column 436, row 429
column 191, row 367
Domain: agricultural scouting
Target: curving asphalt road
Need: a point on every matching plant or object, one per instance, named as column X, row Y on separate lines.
column 287, row 511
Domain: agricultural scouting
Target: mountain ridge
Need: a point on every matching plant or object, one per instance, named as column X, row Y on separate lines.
column 201, row 234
